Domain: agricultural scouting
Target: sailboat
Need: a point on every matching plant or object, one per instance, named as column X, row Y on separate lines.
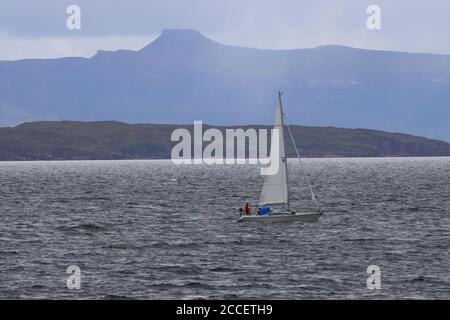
column 275, row 190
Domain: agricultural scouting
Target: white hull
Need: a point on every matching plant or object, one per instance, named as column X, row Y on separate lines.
column 282, row 217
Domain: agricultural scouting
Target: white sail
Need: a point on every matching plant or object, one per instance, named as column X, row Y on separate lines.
column 275, row 188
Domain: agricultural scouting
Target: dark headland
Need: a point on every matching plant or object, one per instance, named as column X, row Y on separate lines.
column 72, row 140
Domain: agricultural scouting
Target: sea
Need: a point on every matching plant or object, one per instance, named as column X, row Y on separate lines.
column 150, row 229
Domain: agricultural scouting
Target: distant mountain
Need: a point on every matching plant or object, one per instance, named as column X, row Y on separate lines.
column 68, row 140
column 183, row 76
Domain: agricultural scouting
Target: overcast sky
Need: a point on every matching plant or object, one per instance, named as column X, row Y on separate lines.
column 37, row 28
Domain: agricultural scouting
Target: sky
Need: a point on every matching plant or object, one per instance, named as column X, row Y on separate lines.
column 37, row 29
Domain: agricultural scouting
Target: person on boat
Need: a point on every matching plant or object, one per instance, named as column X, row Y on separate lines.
column 247, row 209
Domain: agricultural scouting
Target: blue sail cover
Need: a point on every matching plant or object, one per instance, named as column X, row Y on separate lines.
column 264, row 210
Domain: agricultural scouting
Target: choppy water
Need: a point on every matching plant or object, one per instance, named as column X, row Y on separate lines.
column 150, row 229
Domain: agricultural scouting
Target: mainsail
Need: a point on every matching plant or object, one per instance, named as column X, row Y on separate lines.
column 275, row 187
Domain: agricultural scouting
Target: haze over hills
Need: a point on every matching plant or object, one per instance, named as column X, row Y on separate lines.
column 183, row 76
column 69, row 140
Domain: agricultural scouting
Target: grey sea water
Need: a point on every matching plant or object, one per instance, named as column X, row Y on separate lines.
column 151, row 229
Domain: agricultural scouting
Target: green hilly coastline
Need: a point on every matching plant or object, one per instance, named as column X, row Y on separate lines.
column 73, row 140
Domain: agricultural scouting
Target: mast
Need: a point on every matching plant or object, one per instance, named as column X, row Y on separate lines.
column 275, row 186
column 284, row 159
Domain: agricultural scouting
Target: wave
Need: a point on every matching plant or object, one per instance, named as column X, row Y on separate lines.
column 8, row 252
column 223, row 269
column 89, row 226
column 116, row 297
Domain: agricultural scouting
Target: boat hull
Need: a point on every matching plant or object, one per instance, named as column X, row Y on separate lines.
column 282, row 217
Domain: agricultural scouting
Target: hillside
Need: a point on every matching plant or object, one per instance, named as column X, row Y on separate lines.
column 183, row 76
column 69, row 140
